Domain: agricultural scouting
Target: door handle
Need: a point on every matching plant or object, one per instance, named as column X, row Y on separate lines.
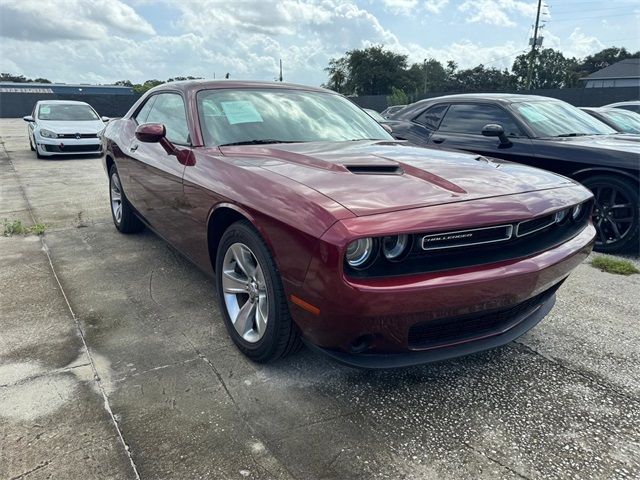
column 438, row 139
column 134, row 148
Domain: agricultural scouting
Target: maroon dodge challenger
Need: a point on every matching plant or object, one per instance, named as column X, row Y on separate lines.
column 320, row 227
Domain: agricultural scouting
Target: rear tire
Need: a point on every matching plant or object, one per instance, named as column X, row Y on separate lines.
column 616, row 213
column 122, row 213
column 251, row 296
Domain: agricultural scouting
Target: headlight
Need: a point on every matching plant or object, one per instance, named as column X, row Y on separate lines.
column 359, row 251
column 562, row 215
column 393, row 247
column 48, row 133
column 576, row 212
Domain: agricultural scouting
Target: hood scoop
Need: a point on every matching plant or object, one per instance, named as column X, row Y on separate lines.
column 375, row 169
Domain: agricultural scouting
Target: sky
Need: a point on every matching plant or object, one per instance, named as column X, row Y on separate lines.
column 102, row 41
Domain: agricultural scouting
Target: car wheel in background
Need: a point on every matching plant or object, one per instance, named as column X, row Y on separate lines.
column 616, row 213
column 123, row 217
column 251, row 296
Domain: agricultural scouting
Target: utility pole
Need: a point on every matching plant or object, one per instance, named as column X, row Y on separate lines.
column 424, row 66
column 534, row 44
column 280, row 79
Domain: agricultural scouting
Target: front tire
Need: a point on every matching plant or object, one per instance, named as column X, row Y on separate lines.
column 616, row 213
column 251, row 296
column 123, row 217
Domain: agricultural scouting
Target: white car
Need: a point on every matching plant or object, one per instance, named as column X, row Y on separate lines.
column 64, row 127
column 633, row 105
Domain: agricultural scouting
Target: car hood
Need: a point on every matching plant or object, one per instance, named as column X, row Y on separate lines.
column 60, row 126
column 369, row 177
column 622, row 142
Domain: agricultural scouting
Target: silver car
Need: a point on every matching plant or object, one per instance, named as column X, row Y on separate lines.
column 64, row 127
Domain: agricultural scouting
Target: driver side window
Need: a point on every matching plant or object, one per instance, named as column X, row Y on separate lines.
column 168, row 109
column 472, row 117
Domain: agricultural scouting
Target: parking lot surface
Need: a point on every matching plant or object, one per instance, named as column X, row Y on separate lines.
column 115, row 364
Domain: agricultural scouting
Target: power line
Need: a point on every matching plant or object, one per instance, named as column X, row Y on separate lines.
column 572, row 10
column 522, row 50
column 551, row 20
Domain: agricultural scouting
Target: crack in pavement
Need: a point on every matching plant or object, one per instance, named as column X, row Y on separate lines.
column 96, row 377
column 29, row 472
column 44, row 374
column 497, row 462
column 590, row 376
column 238, row 408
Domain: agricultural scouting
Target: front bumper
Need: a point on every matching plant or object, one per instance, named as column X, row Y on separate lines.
column 68, row 146
column 368, row 322
column 515, row 328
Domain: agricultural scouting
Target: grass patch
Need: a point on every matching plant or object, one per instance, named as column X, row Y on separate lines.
column 15, row 227
column 615, row 265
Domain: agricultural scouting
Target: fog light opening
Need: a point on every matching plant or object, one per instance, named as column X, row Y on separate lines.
column 362, row 343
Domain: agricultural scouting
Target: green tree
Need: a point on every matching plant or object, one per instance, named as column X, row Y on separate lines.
column 147, row 85
column 369, row 71
column 338, row 71
column 603, row 59
column 397, row 97
column 551, row 69
column 481, row 79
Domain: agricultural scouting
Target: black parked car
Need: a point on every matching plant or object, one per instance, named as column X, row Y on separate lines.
column 545, row 133
column 623, row 121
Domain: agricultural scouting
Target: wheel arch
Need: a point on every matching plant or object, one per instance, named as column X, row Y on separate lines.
column 221, row 217
column 109, row 162
column 584, row 173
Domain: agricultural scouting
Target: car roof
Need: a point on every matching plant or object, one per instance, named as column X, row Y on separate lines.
column 497, row 97
column 630, row 102
column 501, row 98
column 191, row 85
column 58, row 102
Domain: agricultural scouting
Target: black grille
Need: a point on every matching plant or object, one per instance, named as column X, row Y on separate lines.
column 72, row 148
column 537, row 238
column 77, row 135
column 456, row 329
column 532, row 226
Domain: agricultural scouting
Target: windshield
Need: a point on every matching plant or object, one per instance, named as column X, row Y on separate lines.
column 559, row 119
column 277, row 115
column 624, row 121
column 67, row 112
column 375, row 115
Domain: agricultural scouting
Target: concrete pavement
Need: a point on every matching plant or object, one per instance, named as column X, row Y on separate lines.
column 115, row 363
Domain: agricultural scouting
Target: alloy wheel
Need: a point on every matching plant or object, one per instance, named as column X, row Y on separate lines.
column 116, row 198
column 245, row 292
column 612, row 214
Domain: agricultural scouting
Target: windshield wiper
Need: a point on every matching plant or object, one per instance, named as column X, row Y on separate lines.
column 574, row 134
column 260, row 141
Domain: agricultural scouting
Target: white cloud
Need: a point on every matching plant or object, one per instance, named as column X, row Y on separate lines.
column 577, row 44
column 435, row 6
column 69, row 19
column 401, row 7
column 496, row 12
column 413, row 7
column 247, row 42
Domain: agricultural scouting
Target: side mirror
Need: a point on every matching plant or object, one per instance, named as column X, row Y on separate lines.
column 150, row 132
column 105, row 119
column 495, row 130
column 387, row 127
column 28, row 118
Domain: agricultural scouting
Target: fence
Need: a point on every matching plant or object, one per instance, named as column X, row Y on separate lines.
column 14, row 105
column 580, row 97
